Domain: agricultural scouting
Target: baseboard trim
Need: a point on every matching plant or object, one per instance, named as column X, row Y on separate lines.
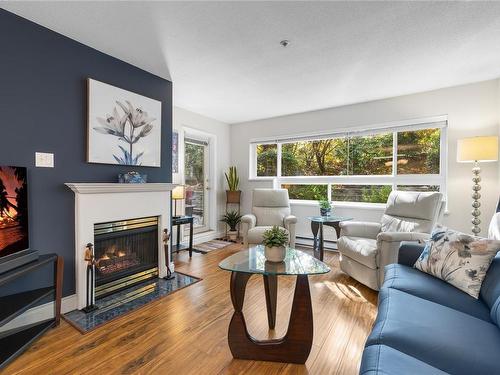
column 205, row 236
column 308, row 241
column 40, row 313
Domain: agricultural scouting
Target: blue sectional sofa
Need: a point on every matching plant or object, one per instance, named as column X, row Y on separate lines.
column 426, row 326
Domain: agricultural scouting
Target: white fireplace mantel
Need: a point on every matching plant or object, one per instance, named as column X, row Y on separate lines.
column 106, row 202
column 98, row 188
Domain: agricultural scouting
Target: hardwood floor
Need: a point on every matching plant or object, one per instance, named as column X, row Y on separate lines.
column 186, row 332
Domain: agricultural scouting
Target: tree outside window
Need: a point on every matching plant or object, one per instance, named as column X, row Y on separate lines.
column 325, row 157
column 361, row 193
column 370, row 155
column 314, row 192
column 267, row 160
column 418, row 151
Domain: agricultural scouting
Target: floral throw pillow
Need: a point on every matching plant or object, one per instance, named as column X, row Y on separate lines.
column 459, row 259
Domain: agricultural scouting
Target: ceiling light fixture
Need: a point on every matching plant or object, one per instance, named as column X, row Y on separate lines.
column 284, row 43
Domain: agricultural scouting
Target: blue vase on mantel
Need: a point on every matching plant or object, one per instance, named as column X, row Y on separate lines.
column 132, row 178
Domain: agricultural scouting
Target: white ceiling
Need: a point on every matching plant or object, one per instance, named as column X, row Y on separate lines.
column 225, row 60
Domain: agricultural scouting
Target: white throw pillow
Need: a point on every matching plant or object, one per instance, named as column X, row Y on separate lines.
column 459, row 259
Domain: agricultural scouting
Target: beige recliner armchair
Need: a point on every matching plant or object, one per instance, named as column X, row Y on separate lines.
column 366, row 248
column 269, row 207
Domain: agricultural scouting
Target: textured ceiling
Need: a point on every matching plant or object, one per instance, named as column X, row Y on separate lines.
column 225, row 60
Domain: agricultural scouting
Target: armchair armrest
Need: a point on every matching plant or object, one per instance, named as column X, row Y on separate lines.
column 250, row 220
column 363, row 229
column 389, row 245
column 403, row 236
column 409, row 253
column 290, row 219
column 247, row 222
column 289, row 223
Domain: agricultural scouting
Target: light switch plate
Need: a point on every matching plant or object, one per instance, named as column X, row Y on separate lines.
column 44, row 159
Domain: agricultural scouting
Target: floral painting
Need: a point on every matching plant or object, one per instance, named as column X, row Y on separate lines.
column 123, row 127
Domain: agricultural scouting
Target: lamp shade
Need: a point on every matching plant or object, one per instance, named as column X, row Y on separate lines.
column 477, row 149
column 179, row 192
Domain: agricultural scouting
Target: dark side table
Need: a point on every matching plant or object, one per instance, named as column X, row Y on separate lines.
column 178, row 221
column 317, row 223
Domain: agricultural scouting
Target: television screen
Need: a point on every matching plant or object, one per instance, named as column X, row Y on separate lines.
column 13, row 210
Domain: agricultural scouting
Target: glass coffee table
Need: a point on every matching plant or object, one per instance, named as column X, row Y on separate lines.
column 317, row 223
column 295, row 346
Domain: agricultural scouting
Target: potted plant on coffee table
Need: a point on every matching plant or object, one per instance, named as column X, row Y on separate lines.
column 325, row 208
column 232, row 219
column 233, row 183
column 274, row 241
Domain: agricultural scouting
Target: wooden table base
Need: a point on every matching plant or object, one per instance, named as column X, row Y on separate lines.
column 295, row 346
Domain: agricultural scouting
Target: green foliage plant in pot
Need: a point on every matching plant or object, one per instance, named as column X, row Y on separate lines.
column 275, row 240
column 325, row 208
column 233, row 182
column 232, row 219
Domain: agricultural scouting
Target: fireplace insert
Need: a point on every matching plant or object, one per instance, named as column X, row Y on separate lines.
column 126, row 253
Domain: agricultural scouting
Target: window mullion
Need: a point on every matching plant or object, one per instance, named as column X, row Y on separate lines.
column 252, row 153
column 348, row 152
column 278, row 167
column 394, row 154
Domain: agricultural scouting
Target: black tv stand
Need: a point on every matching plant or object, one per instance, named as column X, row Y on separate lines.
column 16, row 341
column 15, row 260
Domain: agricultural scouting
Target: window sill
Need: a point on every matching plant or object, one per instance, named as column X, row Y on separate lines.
column 364, row 206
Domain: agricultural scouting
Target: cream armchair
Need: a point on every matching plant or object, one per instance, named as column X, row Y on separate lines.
column 366, row 248
column 269, row 207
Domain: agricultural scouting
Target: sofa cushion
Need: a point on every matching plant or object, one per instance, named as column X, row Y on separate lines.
column 381, row 359
column 458, row 258
column 362, row 250
column 490, row 290
column 494, row 228
column 419, row 284
column 255, row 234
column 442, row 337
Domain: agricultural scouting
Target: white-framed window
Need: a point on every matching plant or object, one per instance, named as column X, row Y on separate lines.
column 356, row 166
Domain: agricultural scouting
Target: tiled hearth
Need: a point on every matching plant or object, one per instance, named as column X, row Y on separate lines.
column 126, row 301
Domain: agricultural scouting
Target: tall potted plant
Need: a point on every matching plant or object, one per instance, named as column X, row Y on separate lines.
column 232, row 219
column 233, row 182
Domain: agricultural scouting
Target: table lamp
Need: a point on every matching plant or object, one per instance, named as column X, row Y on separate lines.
column 475, row 150
column 178, row 193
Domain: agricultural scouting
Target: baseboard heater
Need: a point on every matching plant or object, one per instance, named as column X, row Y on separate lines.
column 308, row 241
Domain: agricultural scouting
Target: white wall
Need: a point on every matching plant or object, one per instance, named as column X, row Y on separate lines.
column 184, row 120
column 472, row 110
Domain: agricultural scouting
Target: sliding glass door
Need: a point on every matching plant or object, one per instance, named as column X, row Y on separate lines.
column 196, row 174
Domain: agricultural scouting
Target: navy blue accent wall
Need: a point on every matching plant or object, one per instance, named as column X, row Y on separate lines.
column 43, row 101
